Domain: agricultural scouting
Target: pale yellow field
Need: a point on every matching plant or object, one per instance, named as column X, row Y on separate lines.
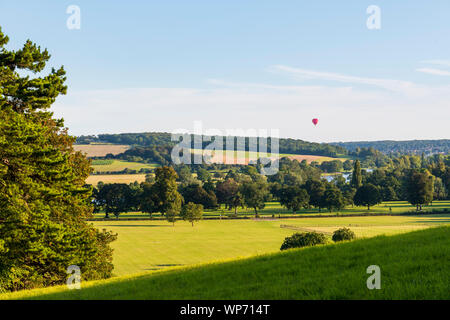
column 244, row 157
column 115, row 178
column 310, row 158
column 100, row 150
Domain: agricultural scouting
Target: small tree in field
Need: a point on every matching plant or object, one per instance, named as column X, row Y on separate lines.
column 192, row 212
column 367, row 195
column 228, row 193
column 162, row 195
column 294, row 198
column 316, row 190
column 171, row 216
column 333, row 199
column 255, row 194
column 419, row 188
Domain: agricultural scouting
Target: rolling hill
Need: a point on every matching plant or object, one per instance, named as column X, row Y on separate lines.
column 413, row 266
column 155, row 139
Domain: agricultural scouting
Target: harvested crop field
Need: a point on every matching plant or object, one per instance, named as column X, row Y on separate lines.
column 115, row 178
column 244, row 157
column 100, row 150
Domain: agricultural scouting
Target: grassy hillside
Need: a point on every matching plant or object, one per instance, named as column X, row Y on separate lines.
column 153, row 245
column 413, row 266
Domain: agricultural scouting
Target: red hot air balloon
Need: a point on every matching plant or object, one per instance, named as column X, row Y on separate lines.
column 315, row 121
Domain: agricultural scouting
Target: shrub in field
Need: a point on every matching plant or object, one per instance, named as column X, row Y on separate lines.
column 304, row 239
column 343, row 234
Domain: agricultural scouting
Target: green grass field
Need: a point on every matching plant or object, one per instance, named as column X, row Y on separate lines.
column 153, row 245
column 119, row 165
column 413, row 266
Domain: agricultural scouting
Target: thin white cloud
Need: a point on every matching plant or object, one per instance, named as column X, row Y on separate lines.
column 436, row 72
column 343, row 110
column 445, row 63
column 263, row 86
column 388, row 84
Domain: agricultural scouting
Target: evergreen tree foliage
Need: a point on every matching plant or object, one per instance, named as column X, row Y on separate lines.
column 43, row 198
column 356, row 175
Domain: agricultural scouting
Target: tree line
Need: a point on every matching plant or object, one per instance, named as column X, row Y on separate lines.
column 403, row 147
column 296, row 186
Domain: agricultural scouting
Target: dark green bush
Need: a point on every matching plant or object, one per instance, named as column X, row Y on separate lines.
column 304, row 239
column 343, row 234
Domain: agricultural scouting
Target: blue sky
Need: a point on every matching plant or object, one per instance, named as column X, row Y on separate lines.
column 161, row 65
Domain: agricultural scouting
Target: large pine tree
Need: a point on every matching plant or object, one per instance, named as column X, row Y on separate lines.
column 44, row 201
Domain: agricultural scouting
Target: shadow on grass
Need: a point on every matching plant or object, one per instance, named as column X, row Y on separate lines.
column 162, row 266
column 136, row 225
column 437, row 221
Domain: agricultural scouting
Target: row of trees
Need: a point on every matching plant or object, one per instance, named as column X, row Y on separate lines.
column 295, row 186
column 410, row 146
column 166, row 196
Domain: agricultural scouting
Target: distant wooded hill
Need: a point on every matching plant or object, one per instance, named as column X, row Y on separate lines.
column 155, row 139
column 410, row 146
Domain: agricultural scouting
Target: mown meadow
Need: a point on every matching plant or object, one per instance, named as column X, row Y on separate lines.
column 153, row 245
column 413, row 266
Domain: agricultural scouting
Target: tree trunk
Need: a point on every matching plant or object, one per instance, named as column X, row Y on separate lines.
column 256, row 212
column 368, row 207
